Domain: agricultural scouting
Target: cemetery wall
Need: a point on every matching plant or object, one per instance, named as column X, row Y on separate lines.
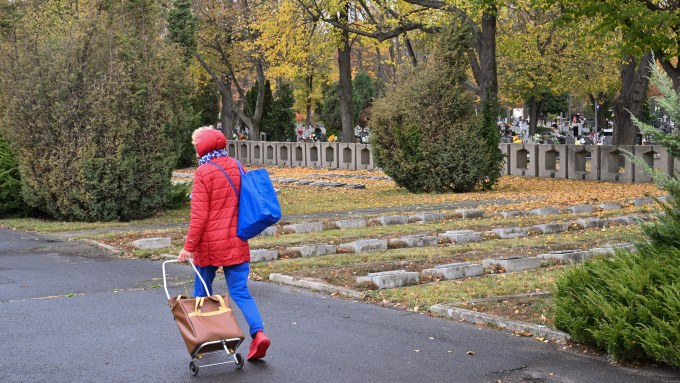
column 576, row 162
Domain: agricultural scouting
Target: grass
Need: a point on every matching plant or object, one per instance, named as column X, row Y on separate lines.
column 45, row 225
column 423, row 297
column 537, row 309
column 305, row 199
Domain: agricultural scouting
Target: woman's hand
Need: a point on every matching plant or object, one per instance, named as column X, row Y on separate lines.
column 185, row 256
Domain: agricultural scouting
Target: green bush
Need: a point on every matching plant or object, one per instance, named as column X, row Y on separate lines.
column 178, row 195
column 10, row 182
column 363, row 94
column 425, row 134
column 628, row 305
column 95, row 108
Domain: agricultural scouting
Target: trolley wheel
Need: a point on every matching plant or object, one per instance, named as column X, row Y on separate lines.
column 193, row 367
column 239, row 361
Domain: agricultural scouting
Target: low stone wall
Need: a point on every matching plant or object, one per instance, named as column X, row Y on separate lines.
column 523, row 160
column 570, row 161
column 334, row 155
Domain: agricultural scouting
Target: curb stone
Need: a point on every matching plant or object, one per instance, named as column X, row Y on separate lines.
column 509, row 324
column 104, row 246
column 322, row 287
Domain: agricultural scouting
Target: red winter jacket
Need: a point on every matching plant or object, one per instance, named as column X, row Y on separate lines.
column 214, row 208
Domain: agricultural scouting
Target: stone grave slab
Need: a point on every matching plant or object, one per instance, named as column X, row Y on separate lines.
column 513, row 264
column 640, row 201
column 610, row 249
column 347, row 224
column 512, row 213
column 460, row 237
column 263, row 255
column 415, row 241
column 573, row 256
column 549, row 228
column 151, row 243
column 593, row 223
column 307, row 251
column 305, row 227
column 390, row 279
column 544, row 211
column 365, row 246
column 471, row 213
column 455, row 271
column 268, row 232
column 511, row 232
column 609, row 206
column 580, row 209
column 427, row 217
column 387, row 220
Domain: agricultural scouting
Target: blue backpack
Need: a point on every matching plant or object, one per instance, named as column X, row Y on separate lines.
column 258, row 206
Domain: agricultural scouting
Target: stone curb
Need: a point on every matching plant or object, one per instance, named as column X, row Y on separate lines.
column 509, row 324
column 104, row 246
column 322, row 287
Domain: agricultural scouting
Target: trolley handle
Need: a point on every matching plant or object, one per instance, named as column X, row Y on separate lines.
column 165, row 283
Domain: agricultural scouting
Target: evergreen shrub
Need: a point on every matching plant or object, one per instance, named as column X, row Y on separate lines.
column 424, row 132
column 629, row 305
column 10, row 182
column 178, row 195
column 96, row 108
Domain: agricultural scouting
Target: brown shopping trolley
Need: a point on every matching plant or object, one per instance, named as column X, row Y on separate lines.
column 207, row 325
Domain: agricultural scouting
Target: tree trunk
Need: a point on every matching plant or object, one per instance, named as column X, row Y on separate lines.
column 227, row 116
column 600, row 113
column 533, row 115
column 380, row 71
column 634, row 84
column 411, row 53
column 345, row 86
column 310, row 84
column 671, row 71
column 483, row 58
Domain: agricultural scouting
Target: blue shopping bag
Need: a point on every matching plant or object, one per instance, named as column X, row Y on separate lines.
column 258, row 205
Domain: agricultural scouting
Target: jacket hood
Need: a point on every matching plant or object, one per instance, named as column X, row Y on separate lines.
column 209, row 140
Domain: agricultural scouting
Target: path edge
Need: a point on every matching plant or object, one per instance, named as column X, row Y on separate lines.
column 509, row 324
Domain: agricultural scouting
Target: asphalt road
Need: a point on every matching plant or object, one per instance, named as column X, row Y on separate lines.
column 100, row 335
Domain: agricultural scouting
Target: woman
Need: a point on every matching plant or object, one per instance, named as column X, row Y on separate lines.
column 212, row 240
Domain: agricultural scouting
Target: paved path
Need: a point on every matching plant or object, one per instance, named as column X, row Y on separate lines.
column 306, row 216
column 130, row 336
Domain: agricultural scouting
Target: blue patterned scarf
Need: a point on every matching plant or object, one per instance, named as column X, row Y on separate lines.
column 205, row 159
column 214, row 154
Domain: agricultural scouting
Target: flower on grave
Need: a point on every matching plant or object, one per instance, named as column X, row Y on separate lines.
column 299, row 131
column 536, row 137
column 332, row 138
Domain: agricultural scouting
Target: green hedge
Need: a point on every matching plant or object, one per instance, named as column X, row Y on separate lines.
column 628, row 305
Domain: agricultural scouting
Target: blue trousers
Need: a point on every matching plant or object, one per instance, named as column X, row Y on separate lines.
column 236, row 277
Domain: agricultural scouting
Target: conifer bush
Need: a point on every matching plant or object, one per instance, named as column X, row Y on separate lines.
column 95, row 108
column 629, row 304
column 424, row 132
column 10, row 182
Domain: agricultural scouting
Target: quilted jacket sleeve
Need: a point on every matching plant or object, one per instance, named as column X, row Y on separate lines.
column 200, row 209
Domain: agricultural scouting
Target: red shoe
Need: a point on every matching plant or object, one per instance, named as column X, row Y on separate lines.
column 258, row 346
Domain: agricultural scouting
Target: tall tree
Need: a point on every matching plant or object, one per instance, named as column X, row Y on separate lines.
column 644, row 26
column 227, row 50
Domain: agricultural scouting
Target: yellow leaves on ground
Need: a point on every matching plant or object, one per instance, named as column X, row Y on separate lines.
column 530, row 192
